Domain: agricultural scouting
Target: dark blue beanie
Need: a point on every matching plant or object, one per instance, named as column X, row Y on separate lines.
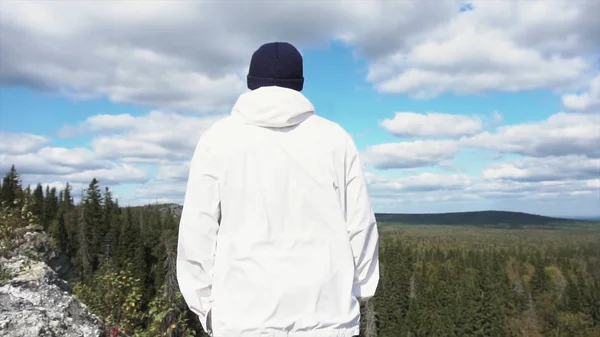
column 276, row 63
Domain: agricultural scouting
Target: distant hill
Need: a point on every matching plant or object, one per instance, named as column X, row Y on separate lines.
column 480, row 218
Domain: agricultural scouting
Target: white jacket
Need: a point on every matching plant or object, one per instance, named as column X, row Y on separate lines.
column 277, row 235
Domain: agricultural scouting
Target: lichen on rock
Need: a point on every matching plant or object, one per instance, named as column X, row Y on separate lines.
column 35, row 300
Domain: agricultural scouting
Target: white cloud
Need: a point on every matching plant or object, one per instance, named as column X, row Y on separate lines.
column 499, row 46
column 149, row 54
column 530, row 190
column 103, row 123
column 177, row 173
column 545, row 169
column 407, row 18
column 53, row 160
column 553, row 27
column 422, row 182
column 561, row 134
column 74, row 157
column 12, row 143
column 165, row 139
column 588, row 101
column 409, row 154
column 51, row 164
column 452, row 193
column 431, row 125
column 115, row 175
column 159, row 191
column 73, row 165
column 158, row 137
column 593, row 183
column 178, row 57
column 469, row 62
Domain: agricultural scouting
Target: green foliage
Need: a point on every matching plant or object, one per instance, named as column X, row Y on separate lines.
column 38, row 197
column 114, row 295
column 50, row 207
column 10, row 219
column 11, row 187
column 13, row 216
column 167, row 317
column 461, row 281
column 5, row 274
column 95, row 230
column 59, row 231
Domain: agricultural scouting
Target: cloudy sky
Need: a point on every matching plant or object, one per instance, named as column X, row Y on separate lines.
column 455, row 106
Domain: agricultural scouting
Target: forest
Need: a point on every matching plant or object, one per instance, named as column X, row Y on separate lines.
column 435, row 280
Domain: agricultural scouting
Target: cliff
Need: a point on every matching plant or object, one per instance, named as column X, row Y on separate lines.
column 35, row 299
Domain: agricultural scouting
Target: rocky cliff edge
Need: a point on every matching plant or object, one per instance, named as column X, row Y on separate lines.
column 35, row 299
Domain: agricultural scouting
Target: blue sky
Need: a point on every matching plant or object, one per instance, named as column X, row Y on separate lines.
column 491, row 107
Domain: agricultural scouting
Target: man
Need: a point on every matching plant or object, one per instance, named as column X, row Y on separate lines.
column 277, row 234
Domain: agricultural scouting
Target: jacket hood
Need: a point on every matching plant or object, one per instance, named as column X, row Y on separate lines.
column 273, row 107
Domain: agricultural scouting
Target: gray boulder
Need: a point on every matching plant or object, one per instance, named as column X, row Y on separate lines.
column 36, row 301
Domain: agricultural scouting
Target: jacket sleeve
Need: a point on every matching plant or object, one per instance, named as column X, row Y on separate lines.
column 198, row 230
column 361, row 226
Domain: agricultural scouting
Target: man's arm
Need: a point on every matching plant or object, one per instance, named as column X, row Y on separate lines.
column 361, row 226
column 198, row 230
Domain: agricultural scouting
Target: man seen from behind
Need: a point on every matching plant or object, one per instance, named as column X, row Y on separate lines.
column 277, row 234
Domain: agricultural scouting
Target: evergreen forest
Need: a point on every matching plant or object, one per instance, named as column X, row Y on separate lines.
column 436, row 280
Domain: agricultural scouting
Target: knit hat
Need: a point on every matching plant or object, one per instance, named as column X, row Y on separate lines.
column 276, row 64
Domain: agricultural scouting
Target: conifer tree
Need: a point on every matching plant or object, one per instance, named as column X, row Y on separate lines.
column 50, row 207
column 131, row 247
column 62, row 236
column 38, row 197
column 66, row 200
column 84, row 252
column 92, row 210
column 11, row 186
column 108, row 213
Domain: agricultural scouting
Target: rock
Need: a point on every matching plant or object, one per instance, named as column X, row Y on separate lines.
column 36, row 301
column 38, row 245
column 61, row 264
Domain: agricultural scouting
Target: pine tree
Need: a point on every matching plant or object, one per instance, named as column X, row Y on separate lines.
column 153, row 246
column 108, row 228
column 84, row 254
column 66, row 200
column 38, row 197
column 65, row 227
column 50, row 207
column 131, row 247
column 169, row 222
column 62, row 236
column 11, row 187
column 167, row 311
column 92, row 210
column 167, row 231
